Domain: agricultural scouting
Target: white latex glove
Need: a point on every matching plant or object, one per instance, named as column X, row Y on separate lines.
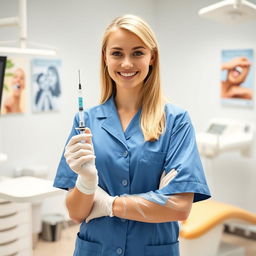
column 102, row 206
column 165, row 179
column 80, row 157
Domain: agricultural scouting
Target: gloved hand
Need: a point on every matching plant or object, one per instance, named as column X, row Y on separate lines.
column 102, row 206
column 80, row 157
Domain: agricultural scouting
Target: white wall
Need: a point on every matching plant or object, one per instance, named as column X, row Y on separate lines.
column 190, row 57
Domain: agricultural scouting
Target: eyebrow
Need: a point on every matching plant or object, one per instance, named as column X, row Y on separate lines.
column 134, row 48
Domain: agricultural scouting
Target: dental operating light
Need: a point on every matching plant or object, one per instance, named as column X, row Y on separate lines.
column 230, row 11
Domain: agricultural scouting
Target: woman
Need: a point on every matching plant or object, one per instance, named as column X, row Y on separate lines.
column 49, row 90
column 53, row 81
column 43, row 99
column 13, row 103
column 147, row 170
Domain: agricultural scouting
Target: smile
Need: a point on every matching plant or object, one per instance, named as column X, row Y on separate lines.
column 16, row 87
column 239, row 69
column 130, row 74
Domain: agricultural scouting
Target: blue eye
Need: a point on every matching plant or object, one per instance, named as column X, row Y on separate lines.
column 116, row 53
column 138, row 53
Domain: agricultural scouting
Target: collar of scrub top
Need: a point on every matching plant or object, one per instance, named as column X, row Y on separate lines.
column 112, row 122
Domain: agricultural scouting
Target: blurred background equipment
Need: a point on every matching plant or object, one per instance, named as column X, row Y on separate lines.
column 201, row 233
column 230, row 11
column 21, row 201
column 223, row 135
column 21, row 22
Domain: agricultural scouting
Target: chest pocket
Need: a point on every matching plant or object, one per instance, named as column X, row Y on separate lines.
column 152, row 160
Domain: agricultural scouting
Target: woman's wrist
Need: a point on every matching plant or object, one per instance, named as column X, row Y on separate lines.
column 117, row 207
column 87, row 186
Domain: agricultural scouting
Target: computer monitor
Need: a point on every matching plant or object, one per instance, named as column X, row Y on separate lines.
column 2, row 72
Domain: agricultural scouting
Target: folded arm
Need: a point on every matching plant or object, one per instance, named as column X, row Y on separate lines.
column 150, row 207
column 137, row 208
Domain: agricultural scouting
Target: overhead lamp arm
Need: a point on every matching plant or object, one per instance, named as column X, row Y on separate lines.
column 10, row 21
column 237, row 3
column 21, row 22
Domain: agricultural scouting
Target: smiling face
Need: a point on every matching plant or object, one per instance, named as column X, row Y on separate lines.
column 18, row 82
column 42, row 82
column 52, row 78
column 237, row 75
column 127, row 59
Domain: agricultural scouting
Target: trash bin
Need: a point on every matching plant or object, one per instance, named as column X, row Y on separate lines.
column 52, row 227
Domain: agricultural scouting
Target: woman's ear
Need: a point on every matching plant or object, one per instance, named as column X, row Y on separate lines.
column 153, row 57
column 104, row 57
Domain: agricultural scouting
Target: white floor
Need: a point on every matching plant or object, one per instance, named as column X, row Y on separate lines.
column 65, row 246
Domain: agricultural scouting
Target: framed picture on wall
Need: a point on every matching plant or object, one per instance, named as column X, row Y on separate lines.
column 15, row 85
column 46, row 85
column 237, row 77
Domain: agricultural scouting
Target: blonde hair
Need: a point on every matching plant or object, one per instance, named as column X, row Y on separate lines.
column 152, row 119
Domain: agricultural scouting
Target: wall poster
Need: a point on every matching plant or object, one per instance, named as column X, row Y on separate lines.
column 46, row 85
column 237, row 77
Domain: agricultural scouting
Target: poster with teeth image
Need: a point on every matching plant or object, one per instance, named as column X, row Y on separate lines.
column 46, row 85
column 14, row 96
column 237, row 77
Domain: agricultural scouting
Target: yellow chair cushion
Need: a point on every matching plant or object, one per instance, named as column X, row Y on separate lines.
column 207, row 214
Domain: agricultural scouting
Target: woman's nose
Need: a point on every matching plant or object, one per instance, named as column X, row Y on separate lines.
column 127, row 63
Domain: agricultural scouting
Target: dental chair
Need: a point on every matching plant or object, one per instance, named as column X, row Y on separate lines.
column 200, row 234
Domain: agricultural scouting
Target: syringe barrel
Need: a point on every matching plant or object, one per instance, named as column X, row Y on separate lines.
column 81, row 119
column 80, row 103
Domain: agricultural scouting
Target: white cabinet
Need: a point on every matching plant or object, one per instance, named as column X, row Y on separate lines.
column 15, row 229
column 16, row 197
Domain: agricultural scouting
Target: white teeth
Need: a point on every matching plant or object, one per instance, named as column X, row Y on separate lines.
column 16, row 87
column 127, row 74
column 239, row 69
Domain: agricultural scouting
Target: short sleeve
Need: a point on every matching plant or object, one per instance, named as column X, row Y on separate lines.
column 183, row 156
column 65, row 178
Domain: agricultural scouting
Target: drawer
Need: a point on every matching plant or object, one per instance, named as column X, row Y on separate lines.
column 15, row 232
column 16, row 219
column 8, row 208
column 16, row 246
column 26, row 252
column 3, row 200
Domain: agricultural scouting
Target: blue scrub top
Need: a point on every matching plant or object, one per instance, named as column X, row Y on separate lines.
column 127, row 164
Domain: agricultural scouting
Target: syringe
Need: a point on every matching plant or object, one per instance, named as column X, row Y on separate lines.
column 81, row 127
